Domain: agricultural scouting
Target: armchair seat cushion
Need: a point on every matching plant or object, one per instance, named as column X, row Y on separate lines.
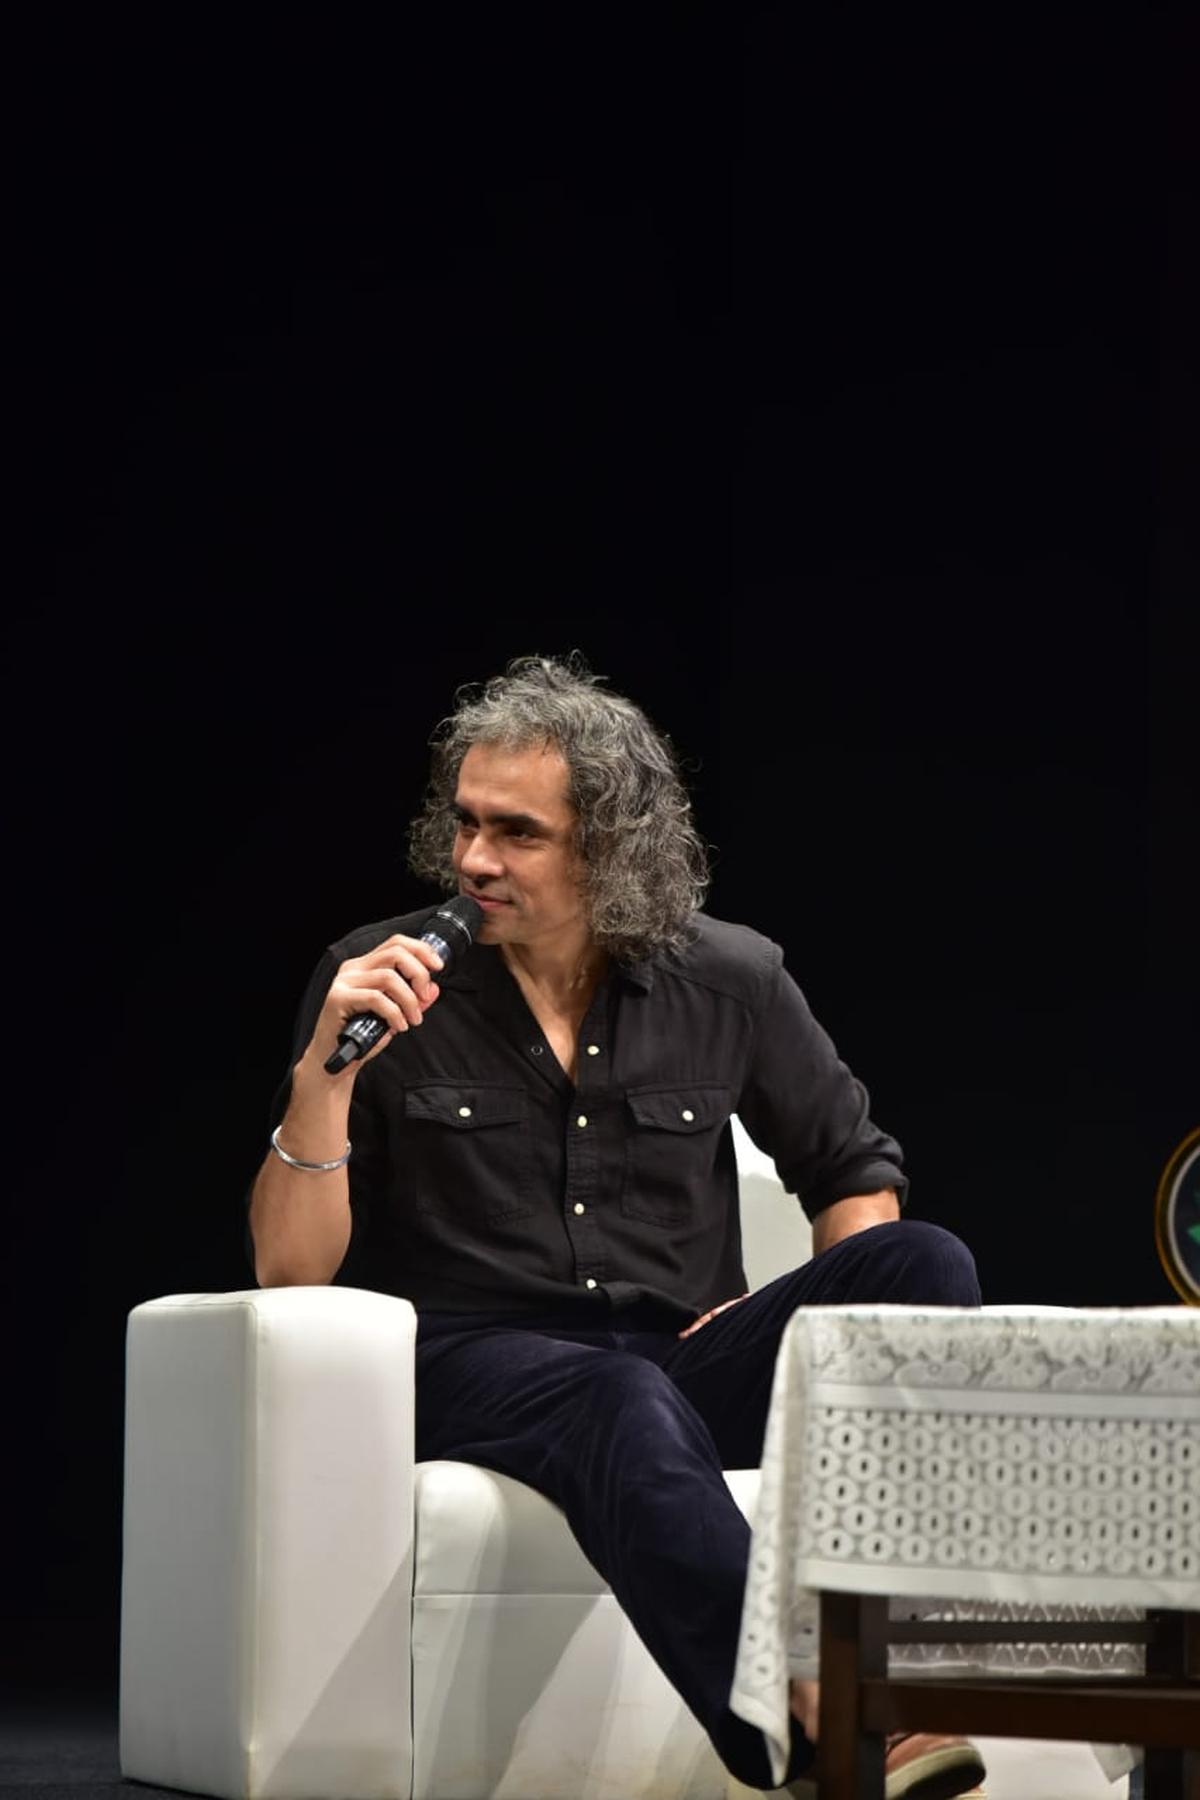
column 478, row 1532
column 527, row 1680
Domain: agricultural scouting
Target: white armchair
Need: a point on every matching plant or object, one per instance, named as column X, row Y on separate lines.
column 307, row 1614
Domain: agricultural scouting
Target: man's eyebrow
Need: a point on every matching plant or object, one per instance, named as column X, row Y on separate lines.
column 520, row 821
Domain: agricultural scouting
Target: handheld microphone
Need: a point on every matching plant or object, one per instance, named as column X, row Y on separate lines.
column 450, row 931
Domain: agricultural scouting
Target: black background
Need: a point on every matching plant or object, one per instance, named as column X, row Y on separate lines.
column 824, row 384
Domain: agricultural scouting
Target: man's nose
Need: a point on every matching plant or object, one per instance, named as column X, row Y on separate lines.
column 480, row 859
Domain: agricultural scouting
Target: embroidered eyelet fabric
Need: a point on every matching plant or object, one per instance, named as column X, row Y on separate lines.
column 1008, row 1463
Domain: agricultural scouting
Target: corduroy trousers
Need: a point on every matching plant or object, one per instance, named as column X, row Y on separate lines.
column 628, row 1430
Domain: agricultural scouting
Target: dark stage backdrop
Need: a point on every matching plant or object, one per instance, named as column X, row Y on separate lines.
column 824, row 393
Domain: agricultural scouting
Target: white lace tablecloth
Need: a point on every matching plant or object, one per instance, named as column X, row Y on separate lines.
column 1030, row 1462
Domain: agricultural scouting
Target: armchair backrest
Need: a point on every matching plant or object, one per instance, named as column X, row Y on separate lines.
column 776, row 1236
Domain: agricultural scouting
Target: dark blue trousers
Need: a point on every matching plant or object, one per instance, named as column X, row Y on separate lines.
column 628, row 1430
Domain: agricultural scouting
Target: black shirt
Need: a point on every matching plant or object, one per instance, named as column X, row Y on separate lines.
column 483, row 1179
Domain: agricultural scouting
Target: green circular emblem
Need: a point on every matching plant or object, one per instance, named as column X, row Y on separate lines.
column 1177, row 1219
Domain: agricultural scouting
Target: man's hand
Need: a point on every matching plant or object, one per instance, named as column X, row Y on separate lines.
column 711, row 1314
column 394, row 981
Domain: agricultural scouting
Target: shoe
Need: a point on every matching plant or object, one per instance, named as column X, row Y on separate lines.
column 919, row 1766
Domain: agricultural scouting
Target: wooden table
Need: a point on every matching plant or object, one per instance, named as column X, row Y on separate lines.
column 965, row 1489
column 860, row 1703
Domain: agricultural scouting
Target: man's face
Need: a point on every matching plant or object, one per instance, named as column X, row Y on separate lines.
column 513, row 852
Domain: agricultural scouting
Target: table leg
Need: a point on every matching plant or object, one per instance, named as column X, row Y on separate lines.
column 1173, row 1653
column 853, row 1646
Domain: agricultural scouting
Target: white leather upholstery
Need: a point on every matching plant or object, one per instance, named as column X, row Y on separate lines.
column 306, row 1615
column 267, row 1581
column 505, row 1604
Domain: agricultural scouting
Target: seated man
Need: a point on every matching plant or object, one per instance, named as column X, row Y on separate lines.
column 547, row 1170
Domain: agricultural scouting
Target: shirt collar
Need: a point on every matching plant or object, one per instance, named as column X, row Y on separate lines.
column 639, row 974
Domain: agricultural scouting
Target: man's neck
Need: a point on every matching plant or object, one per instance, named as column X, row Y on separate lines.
column 566, row 974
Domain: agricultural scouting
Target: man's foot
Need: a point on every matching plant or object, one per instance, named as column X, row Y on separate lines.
column 919, row 1766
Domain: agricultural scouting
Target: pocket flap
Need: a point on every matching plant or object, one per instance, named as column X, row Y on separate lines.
column 465, row 1105
column 680, row 1108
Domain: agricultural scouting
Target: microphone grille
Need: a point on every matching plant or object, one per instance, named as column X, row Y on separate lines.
column 464, row 914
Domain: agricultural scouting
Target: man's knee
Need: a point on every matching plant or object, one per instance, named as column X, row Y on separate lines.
column 925, row 1265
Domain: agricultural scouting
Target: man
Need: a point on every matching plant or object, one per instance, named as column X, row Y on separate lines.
column 542, row 1162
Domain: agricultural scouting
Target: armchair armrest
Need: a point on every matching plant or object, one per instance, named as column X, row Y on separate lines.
column 268, row 1535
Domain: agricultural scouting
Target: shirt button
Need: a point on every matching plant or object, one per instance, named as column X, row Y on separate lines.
column 593, row 1049
column 687, row 1114
column 589, row 1282
column 580, row 1207
column 535, row 1049
column 581, row 1121
column 464, row 1112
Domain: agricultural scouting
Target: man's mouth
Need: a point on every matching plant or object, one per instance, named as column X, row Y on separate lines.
column 489, row 902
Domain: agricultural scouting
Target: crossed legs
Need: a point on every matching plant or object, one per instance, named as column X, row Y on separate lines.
column 629, row 1431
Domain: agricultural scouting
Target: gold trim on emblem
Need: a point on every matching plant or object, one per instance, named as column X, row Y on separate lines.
column 1169, row 1184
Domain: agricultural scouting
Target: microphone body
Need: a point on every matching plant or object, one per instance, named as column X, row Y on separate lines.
column 450, row 931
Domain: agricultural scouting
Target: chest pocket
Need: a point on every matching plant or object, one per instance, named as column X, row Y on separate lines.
column 470, row 1150
column 671, row 1144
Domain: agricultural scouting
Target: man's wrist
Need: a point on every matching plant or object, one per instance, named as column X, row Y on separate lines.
column 317, row 1166
column 315, row 1127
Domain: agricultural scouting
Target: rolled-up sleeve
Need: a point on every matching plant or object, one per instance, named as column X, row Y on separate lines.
column 804, row 1107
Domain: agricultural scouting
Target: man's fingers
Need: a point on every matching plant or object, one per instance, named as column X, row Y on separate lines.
column 385, row 999
column 406, row 968
column 412, row 1000
column 711, row 1314
column 415, row 961
column 401, row 952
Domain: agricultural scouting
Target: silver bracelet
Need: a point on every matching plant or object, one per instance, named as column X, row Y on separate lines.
column 297, row 1162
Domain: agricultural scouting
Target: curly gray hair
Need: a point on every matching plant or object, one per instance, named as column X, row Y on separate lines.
column 645, row 871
